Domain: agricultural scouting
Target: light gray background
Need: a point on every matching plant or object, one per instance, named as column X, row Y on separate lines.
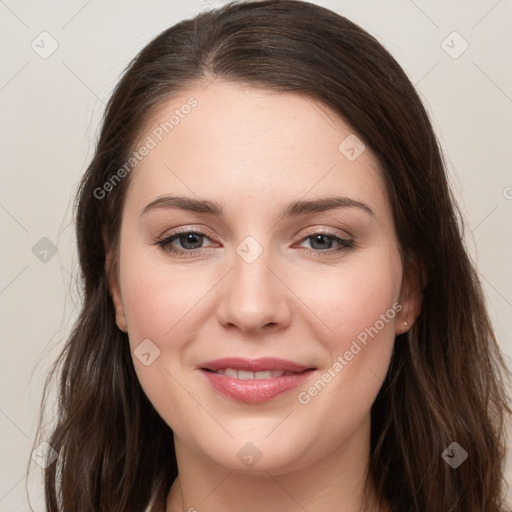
column 50, row 112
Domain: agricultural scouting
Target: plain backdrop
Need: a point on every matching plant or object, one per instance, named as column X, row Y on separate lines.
column 59, row 63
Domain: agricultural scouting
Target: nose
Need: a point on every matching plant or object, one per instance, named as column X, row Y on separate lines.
column 254, row 297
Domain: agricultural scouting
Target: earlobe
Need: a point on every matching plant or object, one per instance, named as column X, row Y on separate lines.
column 115, row 293
column 413, row 282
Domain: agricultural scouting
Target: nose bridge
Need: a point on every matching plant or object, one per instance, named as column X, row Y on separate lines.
column 253, row 297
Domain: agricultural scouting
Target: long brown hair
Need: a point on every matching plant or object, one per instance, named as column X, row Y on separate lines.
column 446, row 380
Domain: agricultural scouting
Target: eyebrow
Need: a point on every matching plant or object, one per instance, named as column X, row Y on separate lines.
column 293, row 209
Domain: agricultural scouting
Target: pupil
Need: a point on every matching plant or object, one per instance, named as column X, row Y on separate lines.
column 191, row 238
column 319, row 238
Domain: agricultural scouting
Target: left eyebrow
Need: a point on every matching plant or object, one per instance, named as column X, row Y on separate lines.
column 293, row 209
column 297, row 208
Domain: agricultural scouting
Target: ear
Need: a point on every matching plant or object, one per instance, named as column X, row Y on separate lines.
column 413, row 281
column 115, row 292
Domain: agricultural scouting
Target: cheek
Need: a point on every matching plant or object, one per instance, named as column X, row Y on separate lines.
column 149, row 307
column 159, row 305
column 357, row 307
column 351, row 298
column 157, row 297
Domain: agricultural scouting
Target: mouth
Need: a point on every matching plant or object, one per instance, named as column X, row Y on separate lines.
column 254, row 380
column 247, row 375
column 263, row 364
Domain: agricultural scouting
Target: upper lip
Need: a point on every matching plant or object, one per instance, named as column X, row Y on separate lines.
column 254, row 365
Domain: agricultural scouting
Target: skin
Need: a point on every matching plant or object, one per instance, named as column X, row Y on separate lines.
column 254, row 150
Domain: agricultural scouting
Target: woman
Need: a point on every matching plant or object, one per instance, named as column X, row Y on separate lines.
column 279, row 312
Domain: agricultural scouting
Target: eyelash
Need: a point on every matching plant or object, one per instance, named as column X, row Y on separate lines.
column 165, row 243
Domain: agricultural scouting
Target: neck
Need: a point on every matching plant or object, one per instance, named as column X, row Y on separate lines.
column 335, row 482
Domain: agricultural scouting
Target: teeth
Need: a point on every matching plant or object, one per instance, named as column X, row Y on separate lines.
column 246, row 375
column 265, row 375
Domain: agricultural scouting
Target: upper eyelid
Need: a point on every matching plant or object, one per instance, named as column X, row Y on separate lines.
column 200, row 231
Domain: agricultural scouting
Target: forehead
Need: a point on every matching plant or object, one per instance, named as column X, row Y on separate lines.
column 238, row 141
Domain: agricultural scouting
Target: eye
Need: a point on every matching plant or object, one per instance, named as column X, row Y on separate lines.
column 323, row 241
column 190, row 241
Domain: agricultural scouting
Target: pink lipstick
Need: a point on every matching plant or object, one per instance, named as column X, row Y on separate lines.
column 254, row 380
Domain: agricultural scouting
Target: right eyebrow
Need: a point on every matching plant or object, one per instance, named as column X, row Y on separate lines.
column 185, row 203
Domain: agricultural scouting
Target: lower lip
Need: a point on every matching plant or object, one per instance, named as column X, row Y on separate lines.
column 252, row 391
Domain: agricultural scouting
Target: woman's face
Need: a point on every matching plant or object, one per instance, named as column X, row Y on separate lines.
column 296, row 260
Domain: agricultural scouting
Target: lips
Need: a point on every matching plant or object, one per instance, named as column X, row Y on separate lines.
column 254, row 380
